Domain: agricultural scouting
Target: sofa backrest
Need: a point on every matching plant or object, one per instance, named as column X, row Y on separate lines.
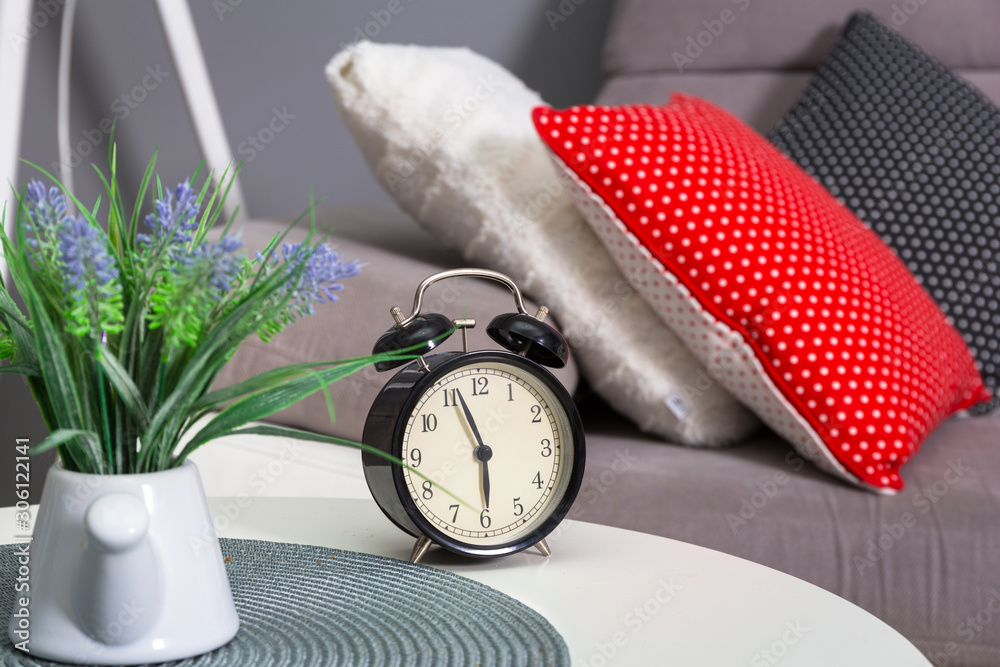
column 717, row 35
column 754, row 57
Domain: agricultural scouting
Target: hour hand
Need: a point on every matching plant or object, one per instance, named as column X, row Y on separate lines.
column 486, row 481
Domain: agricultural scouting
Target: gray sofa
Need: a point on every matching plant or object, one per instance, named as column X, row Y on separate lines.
column 925, row 560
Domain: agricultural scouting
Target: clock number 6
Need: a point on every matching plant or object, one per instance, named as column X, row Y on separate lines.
column 484, row 519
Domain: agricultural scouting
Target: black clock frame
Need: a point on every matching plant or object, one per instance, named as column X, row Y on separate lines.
column 385, row 427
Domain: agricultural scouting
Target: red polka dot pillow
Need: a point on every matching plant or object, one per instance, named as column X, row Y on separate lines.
column 796, row 307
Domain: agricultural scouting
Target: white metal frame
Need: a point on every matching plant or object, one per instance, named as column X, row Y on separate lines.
column 203, row 109
column 15, row 17
column 182, row 39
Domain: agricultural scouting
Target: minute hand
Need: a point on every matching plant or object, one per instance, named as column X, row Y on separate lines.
column 468, row 416
column 481, row 451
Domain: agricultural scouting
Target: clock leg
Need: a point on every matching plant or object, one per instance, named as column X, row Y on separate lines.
column 543, row 547
column 420, row 548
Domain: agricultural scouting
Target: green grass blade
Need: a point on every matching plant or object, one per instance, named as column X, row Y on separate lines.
column 65, row 435
column 273, row 377
column 124, row 387
column 56, row 370
column 284, row 432
column 28, row 369
column 204, row 365
column 133, row 227
column 265, row 403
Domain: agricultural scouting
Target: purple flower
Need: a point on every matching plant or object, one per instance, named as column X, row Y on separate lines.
column 174, row 221
column 84, row 256
column 219, row 263
column 47, row 214
column 318, row 282
column 90, row 280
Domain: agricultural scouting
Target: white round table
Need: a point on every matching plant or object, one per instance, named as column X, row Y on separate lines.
column 618, row 597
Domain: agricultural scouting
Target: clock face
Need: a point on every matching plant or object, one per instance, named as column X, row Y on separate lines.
column 495, row 434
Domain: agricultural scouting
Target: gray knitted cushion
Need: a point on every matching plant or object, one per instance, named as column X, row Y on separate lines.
column 914, row 152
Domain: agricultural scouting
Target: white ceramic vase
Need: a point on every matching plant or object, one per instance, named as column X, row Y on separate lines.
column 124, row 569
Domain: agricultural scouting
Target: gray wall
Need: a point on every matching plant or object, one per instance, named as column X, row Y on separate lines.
column 264, row 56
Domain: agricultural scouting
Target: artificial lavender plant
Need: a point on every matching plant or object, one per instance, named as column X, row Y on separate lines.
column 126, row 330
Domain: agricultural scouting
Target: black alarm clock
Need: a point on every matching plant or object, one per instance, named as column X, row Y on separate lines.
column 492, row 427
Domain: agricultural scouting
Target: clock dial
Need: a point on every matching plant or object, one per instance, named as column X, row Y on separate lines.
column 497, row 436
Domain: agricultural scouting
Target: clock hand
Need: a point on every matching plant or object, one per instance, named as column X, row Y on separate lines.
column 483, row 451
column 486, row 481
column 468, row 416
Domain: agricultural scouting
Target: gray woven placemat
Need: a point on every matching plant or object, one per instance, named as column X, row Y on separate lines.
column 303, row 606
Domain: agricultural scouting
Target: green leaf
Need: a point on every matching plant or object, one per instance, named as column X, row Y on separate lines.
column 265, row 380
column 284, row 432
column 265, row 403
column 124, row 386
column 133, row 228
column 274, row 377
column 24, row 368
column 203, row 366
column 61, row 389
column 65, row 435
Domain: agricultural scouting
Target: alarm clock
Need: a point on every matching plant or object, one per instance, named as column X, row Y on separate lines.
column 493, row 443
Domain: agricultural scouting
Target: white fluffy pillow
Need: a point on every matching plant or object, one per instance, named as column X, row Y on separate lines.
column 448, row 133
